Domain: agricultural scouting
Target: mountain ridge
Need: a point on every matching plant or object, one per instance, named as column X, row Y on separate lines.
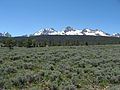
column 67, row 31
column 71, row 31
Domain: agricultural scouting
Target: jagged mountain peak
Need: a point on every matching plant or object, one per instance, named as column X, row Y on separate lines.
column 46, row 31
column 67, row 29
column 5, row 34
column 86, row 30
column 52, row 29
column 116, row 35
column 71, row 31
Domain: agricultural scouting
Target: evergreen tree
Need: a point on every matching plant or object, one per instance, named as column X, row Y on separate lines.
column 28, row 43
column 9, row 43
column 86, row 43
column 34, row 44
column 44, row 43
column 50, row 43
column 119, row 42
column 98, row 43
column 53, row 43
column 59, row 43
column 77, row 43
column 20, row 44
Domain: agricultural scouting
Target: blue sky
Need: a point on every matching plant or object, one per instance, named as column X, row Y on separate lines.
column 20, row 17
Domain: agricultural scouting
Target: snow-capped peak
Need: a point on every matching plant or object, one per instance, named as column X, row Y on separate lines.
column 86, row 30
column 94, row 32
column 116, row 35
column 71, row 31
column 50, row 31
column 67, row 29
column 5, row 34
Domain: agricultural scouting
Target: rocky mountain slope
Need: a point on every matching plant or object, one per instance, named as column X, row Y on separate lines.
column 71, row 31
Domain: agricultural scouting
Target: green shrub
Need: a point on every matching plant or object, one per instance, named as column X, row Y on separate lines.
column 53, row 85
column 70, row 87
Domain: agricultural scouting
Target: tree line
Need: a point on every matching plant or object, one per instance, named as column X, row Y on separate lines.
column 10, row 43
column 56, row 40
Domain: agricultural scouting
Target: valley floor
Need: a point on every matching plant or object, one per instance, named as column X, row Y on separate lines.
column 61, row 68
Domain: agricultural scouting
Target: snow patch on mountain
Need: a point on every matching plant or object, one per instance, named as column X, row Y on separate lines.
column 71, row 31
column 94, row 32
column 50, row 31
column 116, row 35
column 5, row 34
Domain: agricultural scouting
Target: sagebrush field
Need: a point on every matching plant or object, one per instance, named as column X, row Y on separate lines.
column 60, row 68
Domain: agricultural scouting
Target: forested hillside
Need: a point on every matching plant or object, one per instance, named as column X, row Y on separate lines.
column 65, row 40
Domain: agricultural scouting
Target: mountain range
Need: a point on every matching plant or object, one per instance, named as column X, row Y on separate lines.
column 71, row 31
column 68, row 31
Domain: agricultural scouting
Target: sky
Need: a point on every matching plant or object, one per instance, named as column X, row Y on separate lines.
column 20, row 17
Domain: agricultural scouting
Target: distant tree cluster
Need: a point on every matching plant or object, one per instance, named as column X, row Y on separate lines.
column 9, row 42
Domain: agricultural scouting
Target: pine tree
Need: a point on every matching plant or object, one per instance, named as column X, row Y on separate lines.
column 44, row 43
column 20, row 44
column 86, row 43
column 77, row 43
column 28, row 43
column 59, row 43
column 33, row 44
column 9, row 43
column 98, row 43
column 50, row 43
column 119, row 42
